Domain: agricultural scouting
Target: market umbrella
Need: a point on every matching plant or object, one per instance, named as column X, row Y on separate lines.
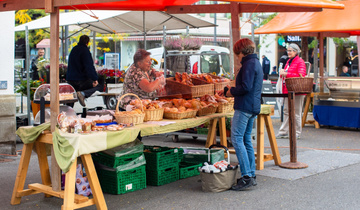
column 107, row 22
column 330, row 23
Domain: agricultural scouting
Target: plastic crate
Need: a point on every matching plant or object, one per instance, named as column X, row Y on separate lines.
column 200, row 155
column 121, row 182
column 187, row 169
column 162, row 176
column 160, row 157
column 112, row 161
column 202, row 130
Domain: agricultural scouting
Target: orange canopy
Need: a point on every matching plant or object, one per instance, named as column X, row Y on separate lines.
column 332, row 23
column 298, row 3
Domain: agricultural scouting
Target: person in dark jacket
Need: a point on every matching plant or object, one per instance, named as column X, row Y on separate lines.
column 247, row 93
column 81, row 73
column 283, row 59
column 344, row 72
column 265, row 67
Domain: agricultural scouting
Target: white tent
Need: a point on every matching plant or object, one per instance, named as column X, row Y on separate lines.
column 107, row 22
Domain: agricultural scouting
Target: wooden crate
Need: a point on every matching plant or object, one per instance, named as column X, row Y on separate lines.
column 188, row 92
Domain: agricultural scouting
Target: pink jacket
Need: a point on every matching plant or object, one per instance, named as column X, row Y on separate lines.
column 296, row 68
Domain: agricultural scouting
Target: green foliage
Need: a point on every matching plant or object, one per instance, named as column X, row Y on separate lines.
column 270, row 17
column 313, row 44
column 24, row 16
column 22, row 87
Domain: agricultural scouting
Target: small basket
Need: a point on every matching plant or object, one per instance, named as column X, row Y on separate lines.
column 180, row 115
column 129, row 118
column 153, row 114
column 211, row 109
column 299, row 84
column 225, row 107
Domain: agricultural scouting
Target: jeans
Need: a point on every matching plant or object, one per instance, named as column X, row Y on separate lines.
column 241, row 127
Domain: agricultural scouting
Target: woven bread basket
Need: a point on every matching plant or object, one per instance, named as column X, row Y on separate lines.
column 225, row 107
column 211, row 109
column 153, row 114
column 180, row 115
column 299, row 84
column 123, row 117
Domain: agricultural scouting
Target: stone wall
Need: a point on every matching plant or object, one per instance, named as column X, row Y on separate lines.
column 7, row 124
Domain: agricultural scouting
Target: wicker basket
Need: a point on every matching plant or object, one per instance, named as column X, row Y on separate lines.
column 299, row 84
column 180, row 115
column 153, row 114
column 173, row 87
column 211, row 109
column 128, row 118
column 217, row 85
column 225, row 107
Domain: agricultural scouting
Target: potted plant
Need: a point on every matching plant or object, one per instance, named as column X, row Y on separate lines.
column 22, row 89
column 44, row 70
column 112, row 75
column 173, row 44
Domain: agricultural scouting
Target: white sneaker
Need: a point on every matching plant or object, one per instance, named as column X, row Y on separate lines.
column 282, row 136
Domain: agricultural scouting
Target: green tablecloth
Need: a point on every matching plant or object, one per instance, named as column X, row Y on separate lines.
column 68, row 146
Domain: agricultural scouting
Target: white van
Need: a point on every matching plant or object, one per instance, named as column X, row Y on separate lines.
column 209, row 59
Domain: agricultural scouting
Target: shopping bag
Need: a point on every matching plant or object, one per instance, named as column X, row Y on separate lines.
column 218, row 182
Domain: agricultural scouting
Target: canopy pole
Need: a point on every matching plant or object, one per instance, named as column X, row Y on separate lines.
column 27, row 67
column 235, row 27
column 321, row 45
column 144, row 25
column 93, row 46
column 316, row 64
column 231, row 70
column 164, row 54
column 215, row 26
column 54, row 89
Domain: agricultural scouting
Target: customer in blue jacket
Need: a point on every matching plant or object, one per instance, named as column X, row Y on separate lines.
column 81, row 73
column 247, row 93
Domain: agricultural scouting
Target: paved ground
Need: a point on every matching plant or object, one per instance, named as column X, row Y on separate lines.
column 330, row 182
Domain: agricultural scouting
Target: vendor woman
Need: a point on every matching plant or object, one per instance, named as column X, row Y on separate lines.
column 141, row 79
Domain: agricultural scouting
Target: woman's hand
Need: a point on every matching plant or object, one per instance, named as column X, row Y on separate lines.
column 228, row 93
column 283, row 73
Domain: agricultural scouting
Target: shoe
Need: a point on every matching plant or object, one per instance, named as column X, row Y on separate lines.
column 297, row 136
column 243, row 183
column 282, row 136
column 254, row 180
column 81, row 98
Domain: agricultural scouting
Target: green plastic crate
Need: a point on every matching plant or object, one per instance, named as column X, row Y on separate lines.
column 121, row 182
column 160, row 157
column 202, row 130
column 113, row 161
column 162, row 176
column 215, row 155
column 188, row 169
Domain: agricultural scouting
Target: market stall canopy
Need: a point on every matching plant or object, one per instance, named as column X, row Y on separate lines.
column 162, row 5
column 329, row 22
column 45, row 43
column 107, row 22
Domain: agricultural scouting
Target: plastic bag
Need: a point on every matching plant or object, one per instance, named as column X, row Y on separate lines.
column 125, row 149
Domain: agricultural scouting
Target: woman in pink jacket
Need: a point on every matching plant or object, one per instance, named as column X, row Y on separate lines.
column 293, row 68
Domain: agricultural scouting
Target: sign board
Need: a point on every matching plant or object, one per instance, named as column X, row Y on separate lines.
column 267, row 87
column 3, row 85
column 112, row 60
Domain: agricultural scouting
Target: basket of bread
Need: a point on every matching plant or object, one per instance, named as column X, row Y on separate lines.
column 219, row 82
column 153, row 110
column 225, row 104
column 180, row 108
column 135, row 116
column 208, row 105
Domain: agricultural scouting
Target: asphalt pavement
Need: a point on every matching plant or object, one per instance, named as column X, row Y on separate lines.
column 330, row 182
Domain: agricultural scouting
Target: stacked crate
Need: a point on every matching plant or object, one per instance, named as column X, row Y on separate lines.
column 121, row 169
column 162, row 165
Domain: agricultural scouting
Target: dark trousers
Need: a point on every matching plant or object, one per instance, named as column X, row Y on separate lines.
column 86, row 86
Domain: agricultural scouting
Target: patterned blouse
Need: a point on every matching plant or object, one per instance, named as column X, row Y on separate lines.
column 131, row 84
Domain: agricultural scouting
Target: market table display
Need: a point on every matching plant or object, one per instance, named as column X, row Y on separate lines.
column 67, row 147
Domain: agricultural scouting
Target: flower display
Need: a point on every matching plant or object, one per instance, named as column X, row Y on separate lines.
column 183, row 43
column 112, row 74
column 22, row 87
column 43, row 66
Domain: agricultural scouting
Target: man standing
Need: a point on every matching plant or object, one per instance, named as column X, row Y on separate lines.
column 81, row 73
column 344, row 72
column 265, row 67
column 34, row 62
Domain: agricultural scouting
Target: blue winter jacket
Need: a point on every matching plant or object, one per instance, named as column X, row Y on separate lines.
column 249, row 81
column 81, row 65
